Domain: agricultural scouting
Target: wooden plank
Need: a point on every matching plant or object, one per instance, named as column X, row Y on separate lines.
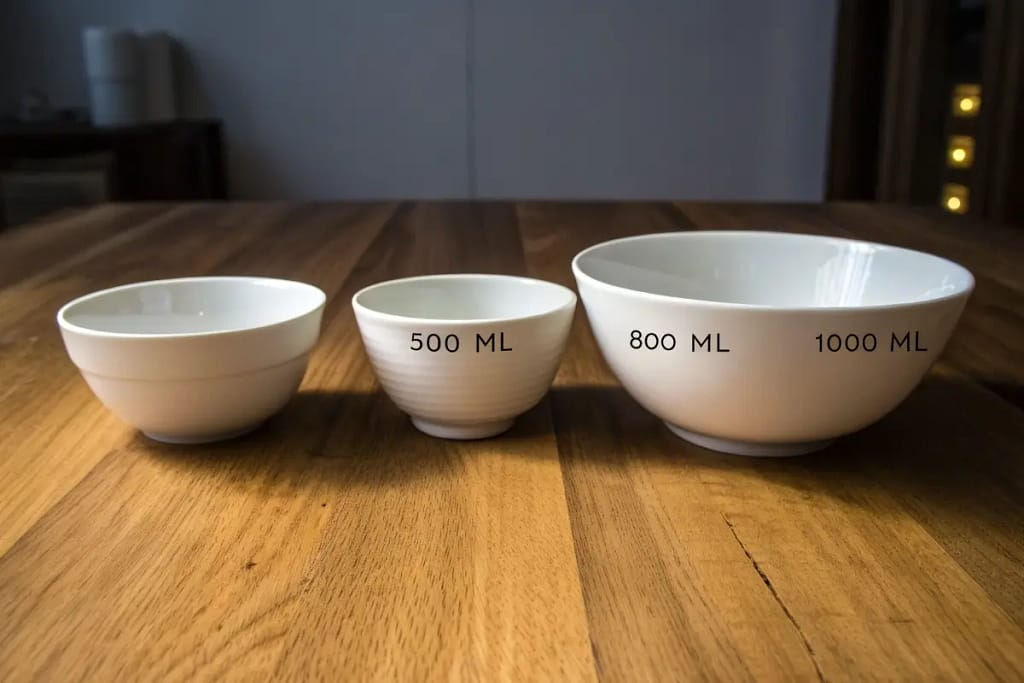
column 860, row 575
column 985, row 350
column 54, row 430
column 586, row 543
column 788, row 570
column 953, row 462
column 841, row 565
column 337, row 539
column 689, row 604
column 983, row 529
column 448, row 559
column 30, row 247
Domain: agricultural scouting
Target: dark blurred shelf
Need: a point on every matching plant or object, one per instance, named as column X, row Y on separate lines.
column 174, row 160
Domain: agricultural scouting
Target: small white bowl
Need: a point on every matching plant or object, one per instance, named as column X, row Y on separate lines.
column 464, row 355
column 767, row 343
column 194, row 360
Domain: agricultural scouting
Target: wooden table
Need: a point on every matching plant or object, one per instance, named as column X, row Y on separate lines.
column 337, row 543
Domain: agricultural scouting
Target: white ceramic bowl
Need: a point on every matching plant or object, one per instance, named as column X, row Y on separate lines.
column 767, row 343
column 194, row 359
column 463, row 355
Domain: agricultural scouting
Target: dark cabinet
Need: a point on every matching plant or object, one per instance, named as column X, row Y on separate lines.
column 176, row 160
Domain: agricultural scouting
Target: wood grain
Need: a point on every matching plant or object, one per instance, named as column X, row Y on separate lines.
column 311, row 546
column 337, row 543
column 45, row 457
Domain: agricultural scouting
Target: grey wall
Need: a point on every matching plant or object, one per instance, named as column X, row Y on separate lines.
column 495, row 98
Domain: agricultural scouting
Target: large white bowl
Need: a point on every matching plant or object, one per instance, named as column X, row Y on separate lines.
column 194, row 359
column 747, row 371
column 464, row 355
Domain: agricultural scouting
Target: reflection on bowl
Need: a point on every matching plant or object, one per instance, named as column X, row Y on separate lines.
column 768, row 343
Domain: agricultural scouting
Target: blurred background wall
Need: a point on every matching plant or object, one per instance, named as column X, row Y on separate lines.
column 723, row 99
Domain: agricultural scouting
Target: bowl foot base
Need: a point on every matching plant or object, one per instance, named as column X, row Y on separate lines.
column 447, row 430
column 185, row 439
column 748, row 448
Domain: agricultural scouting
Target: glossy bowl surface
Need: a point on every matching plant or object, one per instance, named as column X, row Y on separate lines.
column 194, row 359
column 767, row 343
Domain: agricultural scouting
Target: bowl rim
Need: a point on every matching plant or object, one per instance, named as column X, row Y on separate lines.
column 395, row 317
column 69, row 326
column 581, row 275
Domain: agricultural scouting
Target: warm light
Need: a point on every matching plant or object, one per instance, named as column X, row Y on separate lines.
column 954, row 197
column 966, row 100
column 960, row 153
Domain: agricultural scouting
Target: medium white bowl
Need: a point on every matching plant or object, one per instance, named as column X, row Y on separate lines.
column 464, row 355
column 194, row 360
column 767, row 343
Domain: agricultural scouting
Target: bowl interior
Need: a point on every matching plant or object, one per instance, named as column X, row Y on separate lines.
column 465, row 297
column 192, row 306
column 773, row 270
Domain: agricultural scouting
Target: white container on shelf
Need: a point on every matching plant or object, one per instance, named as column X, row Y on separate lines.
column 115, row 103
column 114, row 73
column 111, row 54
column 157, row 49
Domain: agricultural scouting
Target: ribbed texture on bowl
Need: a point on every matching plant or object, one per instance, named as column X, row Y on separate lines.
column 467, row 387
column 482, row 389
